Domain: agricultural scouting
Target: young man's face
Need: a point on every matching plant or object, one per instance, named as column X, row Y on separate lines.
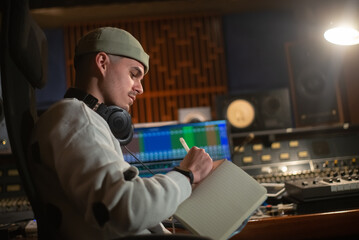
column 123, row 82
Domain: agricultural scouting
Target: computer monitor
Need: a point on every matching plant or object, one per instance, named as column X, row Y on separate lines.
column 160, row 149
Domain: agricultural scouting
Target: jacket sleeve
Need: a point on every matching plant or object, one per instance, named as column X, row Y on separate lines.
column 91, row 170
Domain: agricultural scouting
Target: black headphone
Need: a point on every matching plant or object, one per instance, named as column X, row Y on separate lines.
column 118, row 119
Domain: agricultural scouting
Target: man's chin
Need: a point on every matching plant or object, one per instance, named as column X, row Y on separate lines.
column 127, row 108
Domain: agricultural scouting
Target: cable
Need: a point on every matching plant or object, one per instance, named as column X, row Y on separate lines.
column 246, row 140
column 138, row 160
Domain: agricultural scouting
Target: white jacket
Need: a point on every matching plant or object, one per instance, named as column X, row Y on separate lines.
column 82, row 166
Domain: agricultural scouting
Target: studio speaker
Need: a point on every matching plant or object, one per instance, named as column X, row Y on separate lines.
column 314, row 73
column 195, row 114
column 255, row 111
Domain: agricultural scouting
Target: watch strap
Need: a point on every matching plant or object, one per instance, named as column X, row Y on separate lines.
column 188, row 173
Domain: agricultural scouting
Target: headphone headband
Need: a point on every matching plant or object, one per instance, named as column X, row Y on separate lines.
column 90, row 100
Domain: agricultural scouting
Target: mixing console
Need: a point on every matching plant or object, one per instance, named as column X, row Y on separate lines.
column 319, row 171
column 15, row 209
column 14, row 205
column 334, row 186
column 282, row 160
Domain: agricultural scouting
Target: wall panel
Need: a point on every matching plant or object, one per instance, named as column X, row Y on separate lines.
column 187, row 62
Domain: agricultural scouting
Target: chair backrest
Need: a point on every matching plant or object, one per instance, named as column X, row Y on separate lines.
column 23, row 69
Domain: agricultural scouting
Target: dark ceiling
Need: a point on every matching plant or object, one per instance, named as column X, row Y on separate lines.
column 56, row 13
column 36, row 4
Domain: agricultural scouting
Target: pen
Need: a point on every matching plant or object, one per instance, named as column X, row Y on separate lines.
column 184, row 144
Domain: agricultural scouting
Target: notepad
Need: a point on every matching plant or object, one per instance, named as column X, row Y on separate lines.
column 221, row 203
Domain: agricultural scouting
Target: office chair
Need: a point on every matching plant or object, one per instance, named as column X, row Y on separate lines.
column 23, row 69
column 164, row 237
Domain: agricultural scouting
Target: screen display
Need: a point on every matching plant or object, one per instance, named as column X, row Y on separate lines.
column 161, row 145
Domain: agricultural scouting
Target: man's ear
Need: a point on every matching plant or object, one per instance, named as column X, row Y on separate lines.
column 102, row 61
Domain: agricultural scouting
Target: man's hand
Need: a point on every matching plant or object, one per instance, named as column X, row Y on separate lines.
column 217, row 163
column 199, row 162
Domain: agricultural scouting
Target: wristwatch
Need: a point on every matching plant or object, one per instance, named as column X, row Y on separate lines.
column 188, row 173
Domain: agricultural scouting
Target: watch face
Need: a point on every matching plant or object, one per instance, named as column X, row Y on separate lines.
column 240, row 113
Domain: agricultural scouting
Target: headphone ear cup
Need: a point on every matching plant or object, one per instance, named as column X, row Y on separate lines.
column 128, row 139
column 120, row 123
column 118, row 119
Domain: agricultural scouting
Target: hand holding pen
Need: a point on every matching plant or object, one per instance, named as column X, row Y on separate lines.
column 197, row 160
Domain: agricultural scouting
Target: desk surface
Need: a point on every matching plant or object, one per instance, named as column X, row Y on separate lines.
column 330, row 225
column 337, row 225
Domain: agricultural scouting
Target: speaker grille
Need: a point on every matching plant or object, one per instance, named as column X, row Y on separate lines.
column 314, row 72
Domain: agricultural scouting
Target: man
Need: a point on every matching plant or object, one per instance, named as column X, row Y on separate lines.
column 82, row 173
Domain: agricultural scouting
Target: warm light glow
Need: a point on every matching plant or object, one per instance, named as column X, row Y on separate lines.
column 284, row 169
column 342, row 36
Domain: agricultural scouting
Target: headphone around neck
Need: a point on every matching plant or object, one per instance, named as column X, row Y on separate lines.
column 118, row 119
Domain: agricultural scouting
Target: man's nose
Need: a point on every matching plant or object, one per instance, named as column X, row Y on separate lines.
column 138, row 88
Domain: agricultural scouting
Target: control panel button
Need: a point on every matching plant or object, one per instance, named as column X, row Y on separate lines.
column 275, row 145
column 13, row 188
column 247, row 159
column 284, row 156
column 303, row 154
column 293, row 143
column 13, row 172
column 257, row 147
column 266, row 158
column 328, row 180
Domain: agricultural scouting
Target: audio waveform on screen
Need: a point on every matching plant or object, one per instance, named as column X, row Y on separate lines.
column 162, row 143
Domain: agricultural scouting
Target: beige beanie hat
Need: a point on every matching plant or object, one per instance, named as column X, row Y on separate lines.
column 114, row 41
